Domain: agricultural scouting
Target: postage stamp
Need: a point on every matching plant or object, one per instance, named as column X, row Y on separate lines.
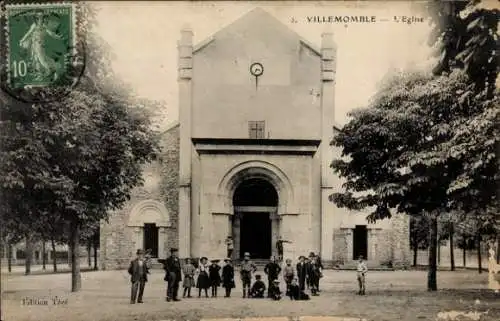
column 40, row 40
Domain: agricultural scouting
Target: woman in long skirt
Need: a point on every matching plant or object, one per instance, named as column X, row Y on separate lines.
column 203, row 281
column 188, row 270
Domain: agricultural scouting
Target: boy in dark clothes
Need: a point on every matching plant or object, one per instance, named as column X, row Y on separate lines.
column 214, row 275
column 295, row 293
column 274, row 290
column 228, row 277
column 258, row 288
column 302, row 271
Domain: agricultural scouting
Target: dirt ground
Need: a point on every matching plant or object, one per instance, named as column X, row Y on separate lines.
column 399, row 295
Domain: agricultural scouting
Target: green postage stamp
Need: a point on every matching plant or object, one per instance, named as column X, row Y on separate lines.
column 40, row 40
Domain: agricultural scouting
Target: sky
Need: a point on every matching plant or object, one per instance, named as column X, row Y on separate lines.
column 143, row 37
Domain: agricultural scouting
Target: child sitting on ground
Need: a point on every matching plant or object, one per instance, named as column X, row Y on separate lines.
column 274, row 290
column 258, row 288
column 295, row 293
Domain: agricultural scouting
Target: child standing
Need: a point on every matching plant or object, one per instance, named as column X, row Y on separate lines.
column 246, row 270
column 228, row 277
column 214, row 275
column 188, row 271
column 361, row 269
column 203, row 281
column 288, row 275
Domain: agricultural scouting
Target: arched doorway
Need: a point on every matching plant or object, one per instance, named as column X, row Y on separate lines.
column 255, row 202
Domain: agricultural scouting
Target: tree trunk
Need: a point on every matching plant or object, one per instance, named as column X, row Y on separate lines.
column 432, row 272
column 415, row 255
column 438, row 252
column 452, row 251
column 498, row 249
column 95, row 251
column 54, row 258
column 89, row 253
column 28, row 255
column 44, row 261
column 464, row 258
column 9, row 257
column 69, row 252
column 76, row 282
column 479, row 265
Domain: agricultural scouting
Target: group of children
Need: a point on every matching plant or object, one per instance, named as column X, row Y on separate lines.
column 209, row 276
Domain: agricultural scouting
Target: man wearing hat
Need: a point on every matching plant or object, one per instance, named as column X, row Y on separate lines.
column 172, row 275
column 279, row 247
column 138, row 271
column 302, row 271
column 247, row 268
column 272, row 270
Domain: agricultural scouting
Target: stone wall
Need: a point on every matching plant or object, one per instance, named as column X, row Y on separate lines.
column 339, row 246
column 170, row 183
column 401, row 241
column 386, row 246
column 118, row 243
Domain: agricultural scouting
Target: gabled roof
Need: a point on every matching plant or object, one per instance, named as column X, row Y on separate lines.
column 170, row 127
column 256, row 16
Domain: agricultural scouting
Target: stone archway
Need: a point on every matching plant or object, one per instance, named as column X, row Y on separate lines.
column 149, row 220
column 255, row 169
column 267, row 176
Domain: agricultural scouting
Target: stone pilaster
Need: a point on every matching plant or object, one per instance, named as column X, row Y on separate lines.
column 185, row 51
column 236, row 235
column 162, row 240
column 328, row 68
column 349, row 240
column 275, row 232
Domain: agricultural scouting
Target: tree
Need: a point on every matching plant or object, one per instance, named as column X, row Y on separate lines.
column 466, row 36
column 447, row 232
column 72, row 160
column 394, row 154
column 419, row 230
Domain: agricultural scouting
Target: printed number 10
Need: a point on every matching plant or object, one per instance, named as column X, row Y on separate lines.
column 19, row 68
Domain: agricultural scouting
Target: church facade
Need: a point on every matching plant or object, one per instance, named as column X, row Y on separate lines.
column 250, row 158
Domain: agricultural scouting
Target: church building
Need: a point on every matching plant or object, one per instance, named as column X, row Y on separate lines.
column 250, row 158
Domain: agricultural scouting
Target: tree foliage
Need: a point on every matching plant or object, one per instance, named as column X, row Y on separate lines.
column 465, row 34
column 66, row 163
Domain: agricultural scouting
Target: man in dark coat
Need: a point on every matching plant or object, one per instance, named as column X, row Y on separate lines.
column 302, row 272
column 173, row 275
column 138, row 271
column 279, row 247
column 272, row 269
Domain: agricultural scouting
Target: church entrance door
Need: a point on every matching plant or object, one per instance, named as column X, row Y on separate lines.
column 360, row 242
column 255, row 201
column 255, row 235
column 151, row 238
